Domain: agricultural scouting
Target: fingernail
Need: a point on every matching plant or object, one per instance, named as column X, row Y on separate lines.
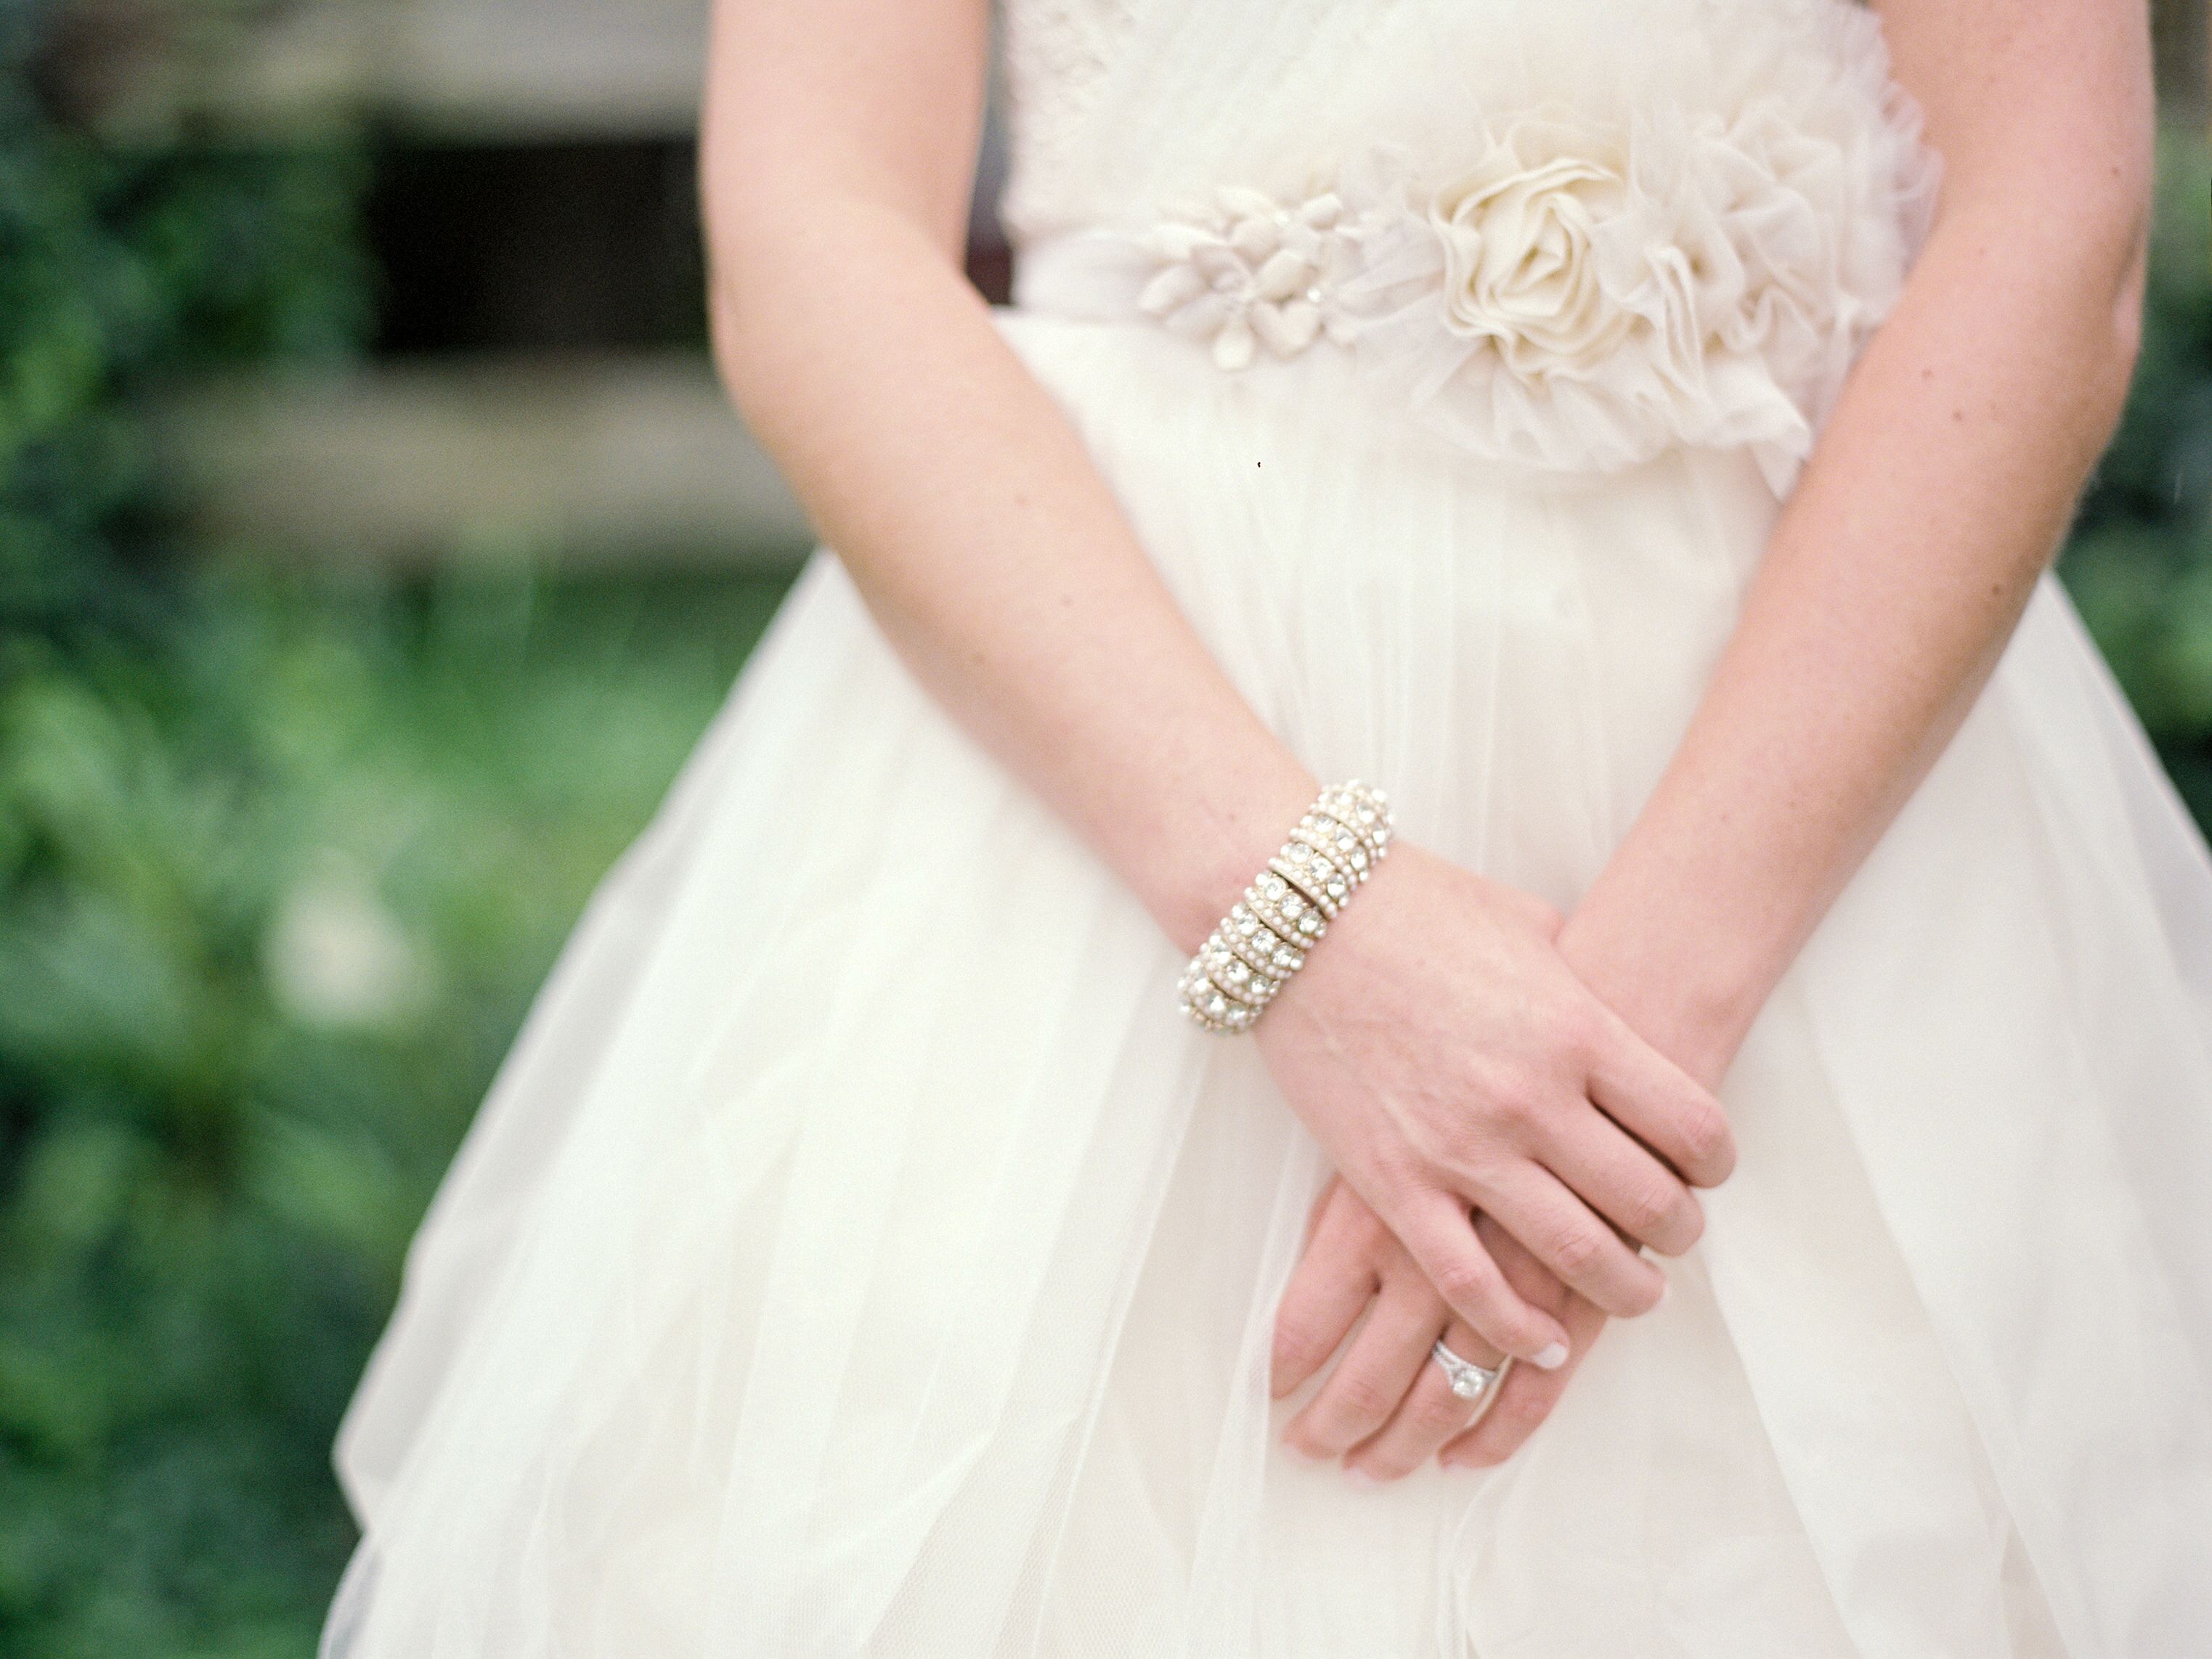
column 1552, row 1358
column 1299, row 1451
column 1361, row 1475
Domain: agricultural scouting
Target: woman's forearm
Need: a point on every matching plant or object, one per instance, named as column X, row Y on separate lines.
column 974, row 525
column 1442, row 1055
column 1895, row 576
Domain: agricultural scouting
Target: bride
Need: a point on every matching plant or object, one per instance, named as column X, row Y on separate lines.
column 1378, row 968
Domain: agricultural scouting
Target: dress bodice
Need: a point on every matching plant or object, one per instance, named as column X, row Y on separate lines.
column 1574, row 232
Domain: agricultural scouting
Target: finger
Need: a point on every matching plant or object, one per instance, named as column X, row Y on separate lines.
column 1332, row 1285
column 1663, row 1105
column 1429, row 1414
column 1323, row 1200
column 1374, row 1375
column 1525, row 1396
column 1562, row 1233
column 1439, row 1234
column 1617, row 1175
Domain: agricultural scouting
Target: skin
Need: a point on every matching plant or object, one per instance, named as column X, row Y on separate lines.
column 1551, row 1058
column 1938, row 495
column 838, row 142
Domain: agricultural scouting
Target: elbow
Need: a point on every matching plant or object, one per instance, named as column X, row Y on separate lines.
column 2115, row 257
column 746, row 257
column 2069, row 246
column 2113, row 334
column 2100, row 256
column 768, row 266
column 742, row 349
column 788, row 257
column 730, row 324
column 2126, row 312
column 2112, row 235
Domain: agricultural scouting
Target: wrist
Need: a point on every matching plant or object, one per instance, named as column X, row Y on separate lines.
column 1212, row 846
column 1682, row 984
column 1259, row 947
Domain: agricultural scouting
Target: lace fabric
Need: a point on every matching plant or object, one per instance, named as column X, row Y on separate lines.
column 1056, row 55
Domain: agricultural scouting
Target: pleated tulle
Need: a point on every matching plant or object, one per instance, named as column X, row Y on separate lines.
column 858, row 1255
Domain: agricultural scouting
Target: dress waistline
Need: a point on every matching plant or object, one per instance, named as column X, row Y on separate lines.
column 1090, row 276
column 1547, row 308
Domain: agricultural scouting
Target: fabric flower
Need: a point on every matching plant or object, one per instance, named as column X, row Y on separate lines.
column 1250, row 272
column 1519, row 266
column 1690, row 255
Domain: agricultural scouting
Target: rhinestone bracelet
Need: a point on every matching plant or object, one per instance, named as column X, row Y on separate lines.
column 1264, row 938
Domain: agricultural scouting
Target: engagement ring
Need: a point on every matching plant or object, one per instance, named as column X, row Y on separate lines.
column 1469, row 1380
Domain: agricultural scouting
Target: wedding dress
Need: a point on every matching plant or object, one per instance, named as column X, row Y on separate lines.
column 860, row 1254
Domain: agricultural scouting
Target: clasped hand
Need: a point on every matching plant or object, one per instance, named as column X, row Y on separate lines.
column 1504, row 1144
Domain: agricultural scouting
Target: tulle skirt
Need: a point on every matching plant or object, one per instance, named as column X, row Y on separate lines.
column 859, row 1255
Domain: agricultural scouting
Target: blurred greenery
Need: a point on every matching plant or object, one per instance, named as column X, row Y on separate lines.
column 276, row 897
column 119, row 267
column 283, row 855
column 282, row 859
column 2140, row 564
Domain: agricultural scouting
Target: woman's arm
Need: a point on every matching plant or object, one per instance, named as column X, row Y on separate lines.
column 837, row 152
column 1935, row 499
column 837, row 159
column 1895, row 574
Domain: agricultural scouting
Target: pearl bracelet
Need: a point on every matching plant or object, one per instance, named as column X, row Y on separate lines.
column 1264, row 938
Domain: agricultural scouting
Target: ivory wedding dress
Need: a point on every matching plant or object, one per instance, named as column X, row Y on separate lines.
column 860, row 1255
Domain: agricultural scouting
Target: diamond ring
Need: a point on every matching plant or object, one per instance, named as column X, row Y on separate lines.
column 1469, row 1380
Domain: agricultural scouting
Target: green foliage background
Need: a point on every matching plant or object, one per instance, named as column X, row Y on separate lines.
column 209, row 1166
column 208, row 1173
column 2140, row 564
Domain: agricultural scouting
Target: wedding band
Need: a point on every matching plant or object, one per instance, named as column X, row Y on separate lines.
column 1469, row 1380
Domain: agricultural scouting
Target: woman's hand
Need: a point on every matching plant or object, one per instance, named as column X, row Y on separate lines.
column 1448, row 1060
column 1387, row 1407
column 1351, row 1262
